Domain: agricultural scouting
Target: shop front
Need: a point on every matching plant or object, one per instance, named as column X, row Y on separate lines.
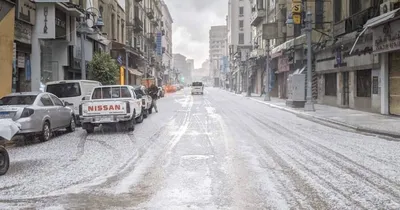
column 386, row 43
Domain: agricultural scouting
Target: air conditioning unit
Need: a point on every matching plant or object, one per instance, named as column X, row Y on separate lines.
column 386, row 7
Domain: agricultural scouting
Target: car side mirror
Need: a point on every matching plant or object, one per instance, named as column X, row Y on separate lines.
column 138, row 96
column 68, row 104
column 85, row 98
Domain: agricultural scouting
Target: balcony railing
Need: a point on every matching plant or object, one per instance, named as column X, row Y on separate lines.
column 150, row 13
column 257, row 16
column 138, row 26
column 354, row 22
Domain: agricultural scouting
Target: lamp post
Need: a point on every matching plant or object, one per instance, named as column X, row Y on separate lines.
column 309, row 106
column 85, row 30
column 266, row 88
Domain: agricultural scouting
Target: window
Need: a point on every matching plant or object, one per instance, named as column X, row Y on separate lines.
column 338, row 10
column 319, row 14
column 260, row 4
column 363, row 83
column 18, row 100
column 330, row 84
column 355, row 6
column 241, row 38
column 241, row 24
column 241, row 11
column 64, row 90
column 122, row 32
column 111, row 92
column 118, row 38
column 46, row 101
column 112, row 26
column 56, row 101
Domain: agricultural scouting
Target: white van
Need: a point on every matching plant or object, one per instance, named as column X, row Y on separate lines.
column 72, row 91
column 197, row 88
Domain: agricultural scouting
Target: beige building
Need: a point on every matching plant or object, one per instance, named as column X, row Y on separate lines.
column 284, row 40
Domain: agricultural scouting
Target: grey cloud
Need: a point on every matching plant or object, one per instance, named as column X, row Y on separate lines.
column 196, row 16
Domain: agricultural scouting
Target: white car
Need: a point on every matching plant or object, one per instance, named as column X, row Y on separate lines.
column 197, row 88
column 72, row 91
column 111, row 104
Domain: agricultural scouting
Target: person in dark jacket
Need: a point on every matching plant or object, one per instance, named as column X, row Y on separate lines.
column 153, row 92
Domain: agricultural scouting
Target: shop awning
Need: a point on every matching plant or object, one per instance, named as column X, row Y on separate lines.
column 277, row 51
column 376, row 21
column 135, row 72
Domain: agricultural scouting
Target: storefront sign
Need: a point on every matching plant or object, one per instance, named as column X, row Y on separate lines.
column 21, row 60
column 386, row 37
column 375, row 85
column 23, row 32
column 283, row 64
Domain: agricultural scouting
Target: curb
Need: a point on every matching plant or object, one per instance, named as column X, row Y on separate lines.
column 335, row 122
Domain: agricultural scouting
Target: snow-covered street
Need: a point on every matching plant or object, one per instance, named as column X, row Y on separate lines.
column 211, row 151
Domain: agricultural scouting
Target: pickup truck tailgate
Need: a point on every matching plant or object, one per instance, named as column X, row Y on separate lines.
column 104, row 108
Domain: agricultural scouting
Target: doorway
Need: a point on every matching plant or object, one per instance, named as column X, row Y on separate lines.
column 394, row 83
column 346, row 89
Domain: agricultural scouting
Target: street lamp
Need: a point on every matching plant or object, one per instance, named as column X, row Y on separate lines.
column 84, row 30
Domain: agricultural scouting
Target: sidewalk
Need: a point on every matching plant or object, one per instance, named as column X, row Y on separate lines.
column 357, row 120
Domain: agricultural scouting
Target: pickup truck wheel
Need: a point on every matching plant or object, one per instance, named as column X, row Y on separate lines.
column 140, row 118
column 145, row 113
column 132, row 123
column 89, row 129
column 4, row 161
column 46, row 132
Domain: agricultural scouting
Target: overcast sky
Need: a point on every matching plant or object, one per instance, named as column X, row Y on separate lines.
column 192, row 21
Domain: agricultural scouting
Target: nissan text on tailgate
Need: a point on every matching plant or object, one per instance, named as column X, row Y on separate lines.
column 113, row 104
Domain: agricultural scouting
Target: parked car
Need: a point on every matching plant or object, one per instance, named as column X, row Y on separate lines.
column 147, row 105
column 39, row 114
column 111, row 104
column 72, row 91
column 197, row 88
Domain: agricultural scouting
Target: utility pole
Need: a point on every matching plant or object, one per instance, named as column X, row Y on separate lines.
column 83, row 60
column 126, row 64
column 267, row 97
column 309, row 106
column 248, row 76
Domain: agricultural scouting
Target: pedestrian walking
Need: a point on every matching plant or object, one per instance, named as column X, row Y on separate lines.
column 153, row 92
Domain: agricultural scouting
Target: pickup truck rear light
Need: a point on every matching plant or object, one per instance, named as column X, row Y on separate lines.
column 128, row 107
column 27, row 112
column 80, row 109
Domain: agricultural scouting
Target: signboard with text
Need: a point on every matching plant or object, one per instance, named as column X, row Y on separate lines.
column 386, row 37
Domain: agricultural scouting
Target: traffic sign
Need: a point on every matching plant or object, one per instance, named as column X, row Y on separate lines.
column 296, row 18
column 296, row 7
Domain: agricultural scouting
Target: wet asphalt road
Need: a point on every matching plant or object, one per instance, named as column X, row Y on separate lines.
column 212, row 151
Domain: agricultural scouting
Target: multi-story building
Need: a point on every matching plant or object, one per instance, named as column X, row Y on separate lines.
column 239, row 40
column 359, row 69
column 167, row 40
column 188, row 73
column 217, row 37
column 7, row 46
column 180, row 66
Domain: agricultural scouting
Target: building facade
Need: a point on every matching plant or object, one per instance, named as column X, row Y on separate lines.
column 180, row 67
column 239, row 38
column 167, row 22
column 190, row 68
column 217, row 46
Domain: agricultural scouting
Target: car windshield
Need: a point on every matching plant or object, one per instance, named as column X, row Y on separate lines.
column 64, row 90
column 111, row 92
column 197, row 84
column 17, row 100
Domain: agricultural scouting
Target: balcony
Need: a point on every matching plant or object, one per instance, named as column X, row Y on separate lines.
column 257, row 16
column 138, row 25
column 354, row 22
column 150, row 13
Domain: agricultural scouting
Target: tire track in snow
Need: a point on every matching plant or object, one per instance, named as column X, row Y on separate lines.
column 362, row 173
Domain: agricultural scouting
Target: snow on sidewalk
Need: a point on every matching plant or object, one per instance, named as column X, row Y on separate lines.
column 354, row 119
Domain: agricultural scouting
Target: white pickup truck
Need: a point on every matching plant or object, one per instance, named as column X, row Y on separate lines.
column 112, row 104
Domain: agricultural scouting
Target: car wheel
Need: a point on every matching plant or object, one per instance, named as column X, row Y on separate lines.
column 4, row 161
column 146, row 113
column 72, row 125
column 46, row 132
column 140, row 118
column 132, row 123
